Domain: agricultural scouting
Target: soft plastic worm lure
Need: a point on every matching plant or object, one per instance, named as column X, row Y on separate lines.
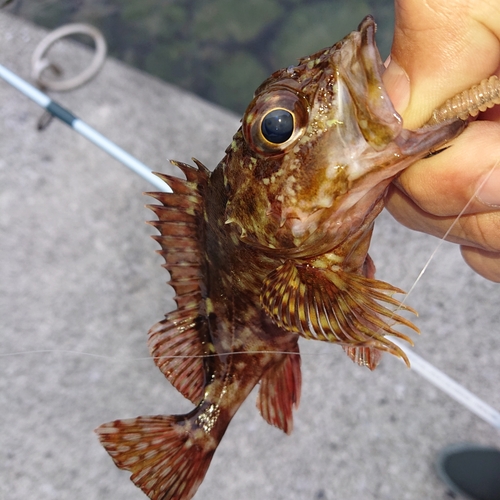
column 470, row 102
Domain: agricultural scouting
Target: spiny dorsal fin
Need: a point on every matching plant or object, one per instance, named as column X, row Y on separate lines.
column 279, row 391
column 334, row 306
column 179, row 342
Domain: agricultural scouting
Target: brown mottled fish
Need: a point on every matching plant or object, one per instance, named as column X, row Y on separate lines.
column 270, row 247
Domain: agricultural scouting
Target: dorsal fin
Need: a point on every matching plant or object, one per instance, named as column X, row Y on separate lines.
column 334, row 306
column 177, row 346
column 179, row 342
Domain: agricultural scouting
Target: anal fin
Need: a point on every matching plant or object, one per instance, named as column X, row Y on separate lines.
column 279, row 391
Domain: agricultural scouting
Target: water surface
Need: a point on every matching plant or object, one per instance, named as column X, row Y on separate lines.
column 218, row 49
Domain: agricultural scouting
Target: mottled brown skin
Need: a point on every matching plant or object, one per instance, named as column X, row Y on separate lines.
column 269, row 247
column 311, row 201
column 235, row 273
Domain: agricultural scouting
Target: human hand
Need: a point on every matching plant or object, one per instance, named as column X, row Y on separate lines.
column 440, row 48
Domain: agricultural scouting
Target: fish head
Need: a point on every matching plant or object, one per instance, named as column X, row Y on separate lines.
column 318, row 146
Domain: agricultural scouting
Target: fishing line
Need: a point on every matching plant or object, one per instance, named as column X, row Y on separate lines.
column 144, row 358
column 443, row 238
column 422, row 367
column 428, row 371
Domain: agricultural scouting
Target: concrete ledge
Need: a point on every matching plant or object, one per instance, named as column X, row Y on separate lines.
column 78, row 274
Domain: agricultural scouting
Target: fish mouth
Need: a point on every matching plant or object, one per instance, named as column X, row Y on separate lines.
column 368, row 139
column 377, row 119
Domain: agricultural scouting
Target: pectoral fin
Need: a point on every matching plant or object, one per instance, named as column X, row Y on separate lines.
column 334, row 306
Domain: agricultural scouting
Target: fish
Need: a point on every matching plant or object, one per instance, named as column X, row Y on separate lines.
column 270, row 247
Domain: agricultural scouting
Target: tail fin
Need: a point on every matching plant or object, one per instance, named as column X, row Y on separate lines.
column 161, row 452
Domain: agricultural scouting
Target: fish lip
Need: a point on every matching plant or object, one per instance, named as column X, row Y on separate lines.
column 410, row 142
column 367, row 29
column 373, row 62
column 379, row 121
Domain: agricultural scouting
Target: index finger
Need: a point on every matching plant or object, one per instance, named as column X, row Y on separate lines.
column 444, row 46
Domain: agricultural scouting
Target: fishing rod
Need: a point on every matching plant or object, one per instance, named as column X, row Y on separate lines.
column 451, row 387
column 425, row 369
column 83, row 128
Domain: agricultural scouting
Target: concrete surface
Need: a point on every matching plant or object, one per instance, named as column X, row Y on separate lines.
column 80, row 285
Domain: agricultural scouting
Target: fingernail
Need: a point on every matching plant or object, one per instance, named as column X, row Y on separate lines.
column 489, row 191
column 397, row 84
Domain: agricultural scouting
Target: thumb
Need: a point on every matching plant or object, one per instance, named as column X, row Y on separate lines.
column 440, row 48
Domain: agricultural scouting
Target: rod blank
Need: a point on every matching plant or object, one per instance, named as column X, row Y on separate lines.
column 83, row 128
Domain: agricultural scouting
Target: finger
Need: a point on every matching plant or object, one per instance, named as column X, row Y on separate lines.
column 444, row 47
column 487, row 264
column 474, row 230
column 466, row 174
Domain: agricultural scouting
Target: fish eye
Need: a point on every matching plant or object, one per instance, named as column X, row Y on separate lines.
column 277, row 126
column 275, row 121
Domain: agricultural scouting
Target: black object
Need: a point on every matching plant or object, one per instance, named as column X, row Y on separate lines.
column 471, row 470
